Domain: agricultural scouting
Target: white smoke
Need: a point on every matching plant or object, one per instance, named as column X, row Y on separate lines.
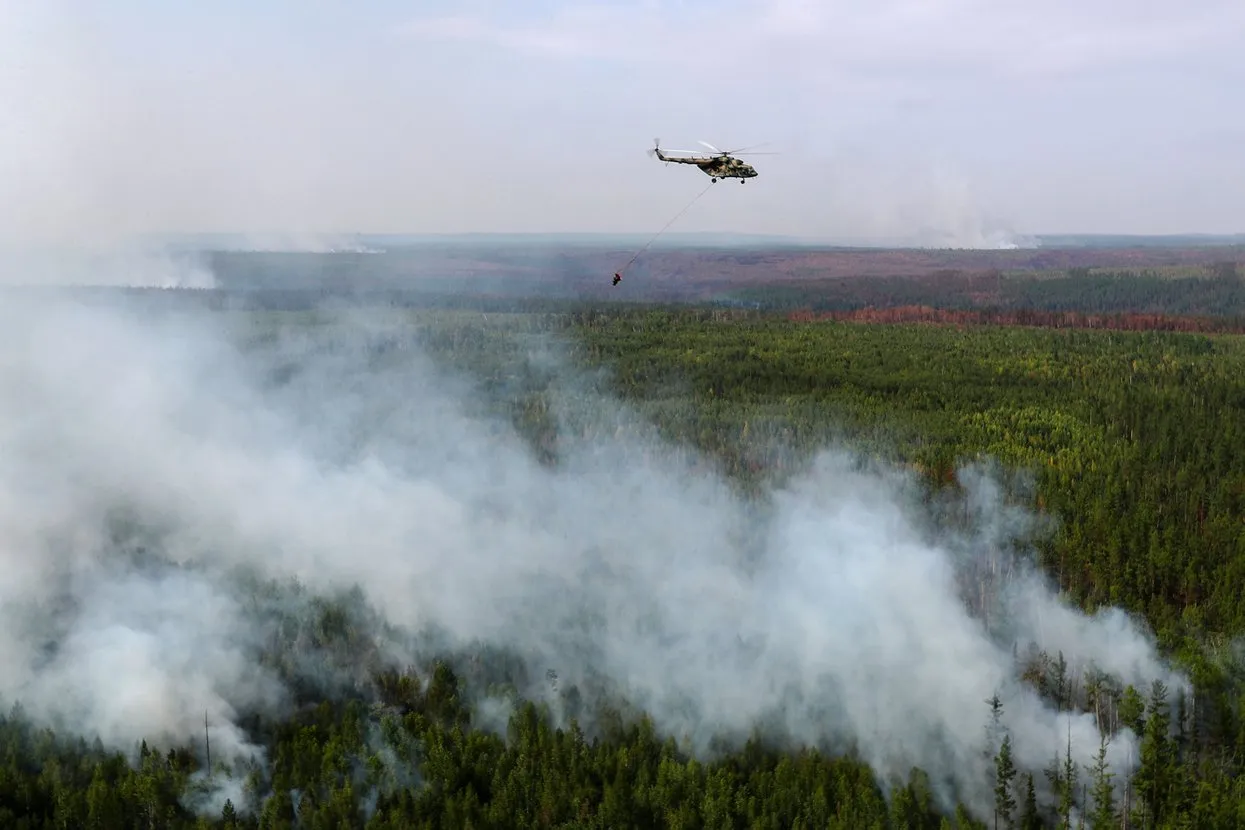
column 338, row 455
column 109, row 265
column 951, row 214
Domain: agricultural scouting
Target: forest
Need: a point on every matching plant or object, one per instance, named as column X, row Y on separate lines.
column 1211, row 291
column 1132, row 434
column 1198, row 279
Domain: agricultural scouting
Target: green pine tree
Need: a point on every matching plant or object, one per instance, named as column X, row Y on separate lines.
column 1004, row 774
column 1104, row 815
column 1156, row 762
column 1030, row 818
column 228, row 815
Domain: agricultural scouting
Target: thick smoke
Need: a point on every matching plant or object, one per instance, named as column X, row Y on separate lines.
column 105, row 265
column 951, row 214
column 151, row 464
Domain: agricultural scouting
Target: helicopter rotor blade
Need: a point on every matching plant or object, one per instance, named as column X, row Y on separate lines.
column 711, row 147
column 746, row 149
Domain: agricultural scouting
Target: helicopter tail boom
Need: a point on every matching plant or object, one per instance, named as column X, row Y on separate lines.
column 655, row 151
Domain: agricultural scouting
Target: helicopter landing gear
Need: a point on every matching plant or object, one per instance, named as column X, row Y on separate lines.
column 713, row 179
column 743, row 181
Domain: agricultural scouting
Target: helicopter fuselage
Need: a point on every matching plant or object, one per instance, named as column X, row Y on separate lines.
column 716, row 167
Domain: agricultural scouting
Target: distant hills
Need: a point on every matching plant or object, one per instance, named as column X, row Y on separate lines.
column 365, row 242
column 375, row 243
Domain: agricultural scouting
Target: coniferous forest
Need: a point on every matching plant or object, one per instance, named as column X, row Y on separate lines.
column 1128, row 445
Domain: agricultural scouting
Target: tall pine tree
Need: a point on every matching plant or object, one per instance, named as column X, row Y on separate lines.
column 1103, row 817
column 1004, row 775
column 1030, row 818
column 1154, row 774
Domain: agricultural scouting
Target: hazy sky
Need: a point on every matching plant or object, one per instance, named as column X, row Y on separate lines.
column 893, row 117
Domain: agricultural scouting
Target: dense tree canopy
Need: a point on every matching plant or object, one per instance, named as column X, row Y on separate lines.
column 1136, row 441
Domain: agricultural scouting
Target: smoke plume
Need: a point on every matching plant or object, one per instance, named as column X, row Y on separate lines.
column 156, row 466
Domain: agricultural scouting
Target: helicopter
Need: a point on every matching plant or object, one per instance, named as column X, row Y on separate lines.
column 721, row 165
